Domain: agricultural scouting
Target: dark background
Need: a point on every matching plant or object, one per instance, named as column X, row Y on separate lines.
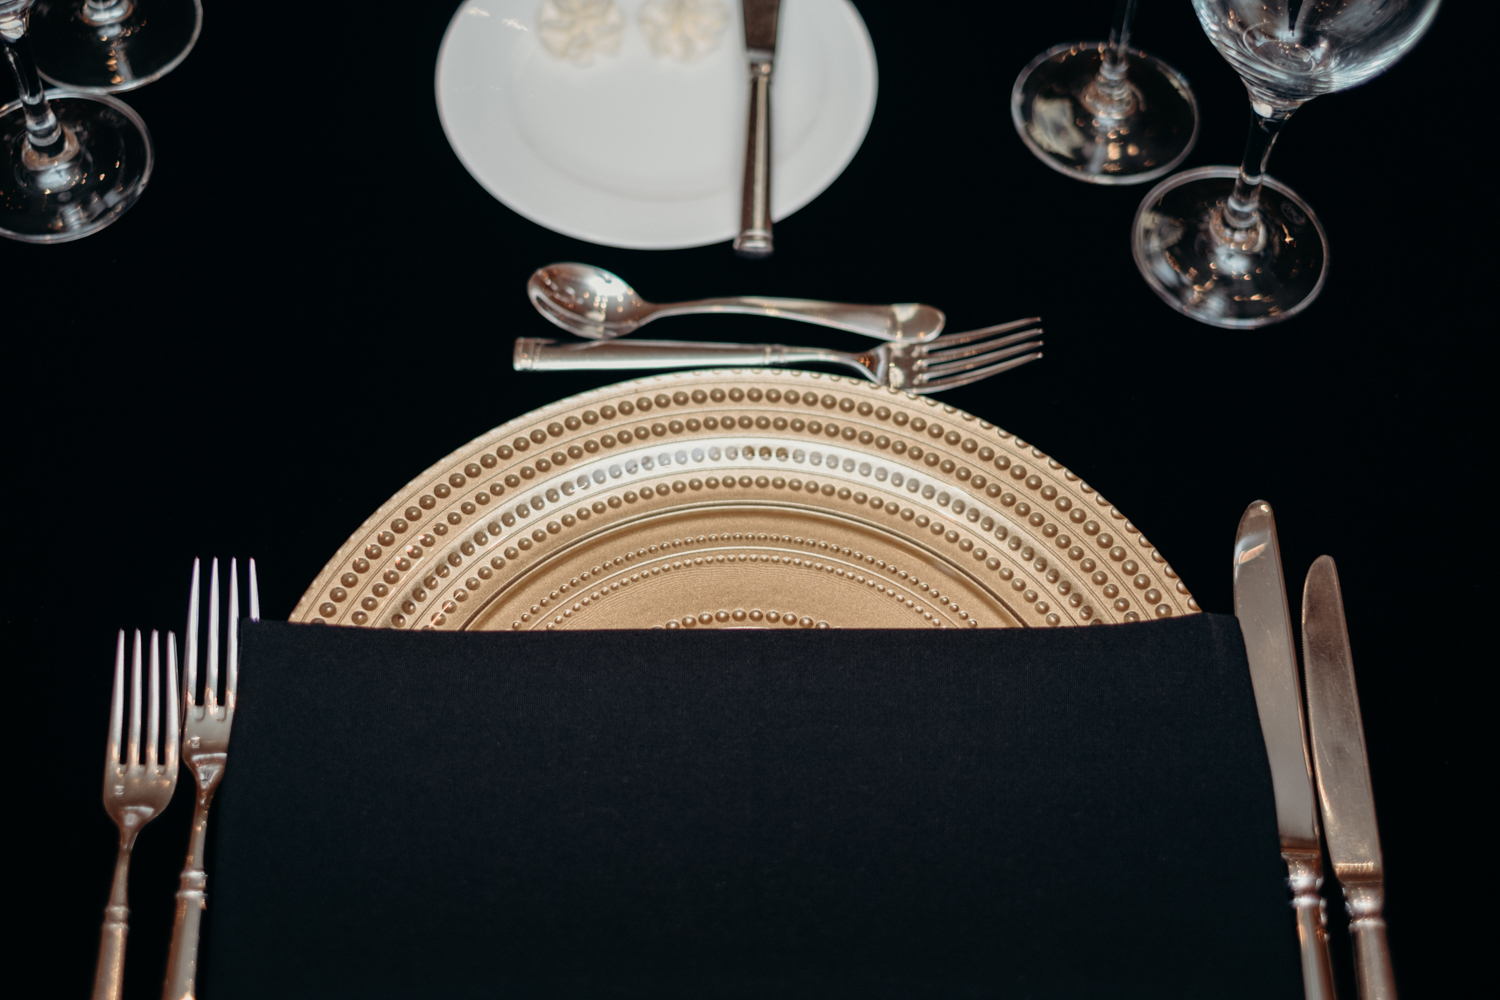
column 294, row 320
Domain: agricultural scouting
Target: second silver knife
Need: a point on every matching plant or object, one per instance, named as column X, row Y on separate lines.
column 1338, row 741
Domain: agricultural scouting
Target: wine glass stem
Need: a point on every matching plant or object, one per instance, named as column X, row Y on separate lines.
column 42, row 129
column 1108, row 96
column 1241, row 218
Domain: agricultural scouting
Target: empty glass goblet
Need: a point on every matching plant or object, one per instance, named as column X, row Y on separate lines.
column 1234, row 248
column 70, row 164
column 1103, row 112
column 107, row 46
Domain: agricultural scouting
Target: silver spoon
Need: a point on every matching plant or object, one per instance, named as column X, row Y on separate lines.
column 593, row 303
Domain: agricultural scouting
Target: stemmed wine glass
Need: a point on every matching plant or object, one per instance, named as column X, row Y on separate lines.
column 107, row 46
column 69, row 164
column 1103, row 112
column 1235, row 248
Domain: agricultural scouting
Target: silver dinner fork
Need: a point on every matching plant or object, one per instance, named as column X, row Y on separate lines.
column 205, row 748
column 137, row 788
column 952, row 360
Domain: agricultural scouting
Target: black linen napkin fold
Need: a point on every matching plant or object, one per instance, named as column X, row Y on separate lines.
column 1076, row 812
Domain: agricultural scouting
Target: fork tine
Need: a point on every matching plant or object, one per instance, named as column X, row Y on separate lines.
column 211, row 680
column 954, row 339
column 971, row 363
column 984, row 373
column 173, row 712
column 133, row 745
column 936, row 357
column 153, row 708
column 116, row 706
column 190, row 678
column 232, row 660
column 254, row 595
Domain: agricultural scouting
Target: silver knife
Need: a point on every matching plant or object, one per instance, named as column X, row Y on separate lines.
column 1261, row 606
column 754, row 239
column 1338, row 742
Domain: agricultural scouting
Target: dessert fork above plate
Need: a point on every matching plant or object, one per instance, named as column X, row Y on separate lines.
column 951, row 360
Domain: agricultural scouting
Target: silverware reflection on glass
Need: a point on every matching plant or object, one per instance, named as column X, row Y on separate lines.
column 137, row 787
column 948, row 362
column 205, row 750
column 595, row 304
column 1338, row 742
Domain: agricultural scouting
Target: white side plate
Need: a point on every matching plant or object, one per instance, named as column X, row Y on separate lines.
column 639, row 151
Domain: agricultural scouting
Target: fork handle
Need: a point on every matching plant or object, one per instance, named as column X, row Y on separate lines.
column 192, row 900
column 109, row 974
column 536, row 354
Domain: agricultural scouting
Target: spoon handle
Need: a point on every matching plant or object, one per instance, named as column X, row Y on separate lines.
column 902, row 322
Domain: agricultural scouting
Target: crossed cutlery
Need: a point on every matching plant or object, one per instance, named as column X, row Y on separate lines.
column 592, row 303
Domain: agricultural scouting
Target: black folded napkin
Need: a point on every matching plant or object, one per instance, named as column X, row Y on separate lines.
column 1074, row 812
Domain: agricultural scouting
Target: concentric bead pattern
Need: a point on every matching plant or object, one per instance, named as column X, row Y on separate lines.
column 745, row 499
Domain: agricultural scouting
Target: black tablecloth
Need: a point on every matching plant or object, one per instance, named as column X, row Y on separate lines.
column 313, row 301
column 1078, row 812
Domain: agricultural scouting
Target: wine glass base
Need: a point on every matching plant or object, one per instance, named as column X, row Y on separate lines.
column 145, row 40
column 102, row 172
column 1049, row 108
column 1213, row 282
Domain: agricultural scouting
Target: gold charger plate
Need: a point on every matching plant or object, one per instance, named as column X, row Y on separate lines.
column 744, row 498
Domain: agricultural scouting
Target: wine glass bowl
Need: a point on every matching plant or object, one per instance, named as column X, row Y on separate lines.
column 1235, row 248
column 1289, row 53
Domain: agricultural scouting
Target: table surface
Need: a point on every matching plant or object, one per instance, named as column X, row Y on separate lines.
column 311, row 267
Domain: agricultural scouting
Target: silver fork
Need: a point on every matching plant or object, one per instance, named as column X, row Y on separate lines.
column 952, row 360
column 136, row 789
column 205, row 748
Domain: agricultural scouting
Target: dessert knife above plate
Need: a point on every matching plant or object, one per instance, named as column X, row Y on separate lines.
column 761, row 18
column 1338, row 742
column 1261, row 606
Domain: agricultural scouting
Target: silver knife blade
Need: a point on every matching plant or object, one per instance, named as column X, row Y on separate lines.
column 1266, row 623
column 1261, row 606
column 760, row 24
column 1343, row 769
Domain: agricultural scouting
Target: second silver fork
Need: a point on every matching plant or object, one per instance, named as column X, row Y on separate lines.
column 952, row 360
column 205, row 750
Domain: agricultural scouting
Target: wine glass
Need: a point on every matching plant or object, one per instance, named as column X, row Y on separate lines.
column 107, row 46
column 1235, row 248
column 1103, row 112
column 69, row 164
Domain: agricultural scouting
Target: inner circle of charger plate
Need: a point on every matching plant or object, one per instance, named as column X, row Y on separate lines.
column 742, row 498
column 639, row 151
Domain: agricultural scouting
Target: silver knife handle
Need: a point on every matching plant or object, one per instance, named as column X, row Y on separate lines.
column 1372, row 956
column 754, row 239
column 536, row 354
column 1305, row 878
